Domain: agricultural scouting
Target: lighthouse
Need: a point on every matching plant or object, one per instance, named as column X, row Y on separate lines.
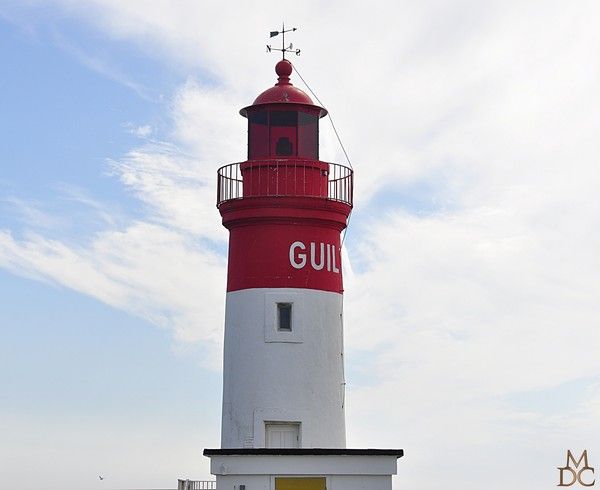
column 283, row 423
column 283, row 369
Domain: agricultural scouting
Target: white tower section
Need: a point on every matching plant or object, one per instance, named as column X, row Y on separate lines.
column 283, row 388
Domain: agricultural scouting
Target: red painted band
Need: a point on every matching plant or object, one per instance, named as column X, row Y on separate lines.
column 279, row 255
column 284, row 243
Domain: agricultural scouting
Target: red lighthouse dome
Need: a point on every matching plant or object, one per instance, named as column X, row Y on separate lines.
column 283, row 91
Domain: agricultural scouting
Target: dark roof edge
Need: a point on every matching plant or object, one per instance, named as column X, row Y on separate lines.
column 322, row 113
column 303, row 452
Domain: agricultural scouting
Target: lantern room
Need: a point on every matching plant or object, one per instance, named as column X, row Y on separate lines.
column 283, row 122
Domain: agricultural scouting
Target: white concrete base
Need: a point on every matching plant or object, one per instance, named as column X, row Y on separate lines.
column 352, row 469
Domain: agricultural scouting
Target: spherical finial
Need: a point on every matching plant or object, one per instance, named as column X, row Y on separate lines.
column 283, row 69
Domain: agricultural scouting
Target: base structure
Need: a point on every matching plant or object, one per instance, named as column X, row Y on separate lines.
column 303, row 469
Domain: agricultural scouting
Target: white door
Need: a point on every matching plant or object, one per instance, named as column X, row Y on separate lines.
column 282, row 435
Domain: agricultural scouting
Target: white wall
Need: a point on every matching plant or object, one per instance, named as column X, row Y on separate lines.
column 252, row 482
column 358, row 482
column 280, row 376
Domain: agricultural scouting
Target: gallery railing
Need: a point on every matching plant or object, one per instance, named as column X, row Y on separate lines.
column 278, row 178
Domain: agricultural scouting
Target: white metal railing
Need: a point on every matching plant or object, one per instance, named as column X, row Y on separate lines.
column 300, row 178
column 196, row 485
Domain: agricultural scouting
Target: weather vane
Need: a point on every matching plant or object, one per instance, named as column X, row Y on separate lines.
column 284, row 49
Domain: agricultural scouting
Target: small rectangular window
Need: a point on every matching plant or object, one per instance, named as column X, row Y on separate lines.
column 284, row 317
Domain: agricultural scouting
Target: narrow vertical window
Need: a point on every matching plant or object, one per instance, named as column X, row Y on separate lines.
column 284, row 317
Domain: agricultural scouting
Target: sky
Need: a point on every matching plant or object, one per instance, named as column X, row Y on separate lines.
column 471, row 264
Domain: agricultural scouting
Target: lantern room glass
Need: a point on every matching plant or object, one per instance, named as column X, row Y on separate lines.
column 258, row 134
column 308, row 135
column 278, row 133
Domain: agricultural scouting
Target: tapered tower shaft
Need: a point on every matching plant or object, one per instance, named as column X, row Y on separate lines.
column 283, row 382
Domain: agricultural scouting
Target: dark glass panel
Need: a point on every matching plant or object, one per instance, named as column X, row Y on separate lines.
column 284, row 316
column 284, row 118
column 258, row 134
column 259, row 117
column 308, row 135
column 283, row 126
column 284, row 146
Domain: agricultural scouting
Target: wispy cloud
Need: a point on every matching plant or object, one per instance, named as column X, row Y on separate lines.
column 103, row 65
column 141, row 131
column 141, row 269
column 29, row 212
column 105, row 212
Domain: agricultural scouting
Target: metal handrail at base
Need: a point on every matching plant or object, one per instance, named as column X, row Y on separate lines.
column 196, row 485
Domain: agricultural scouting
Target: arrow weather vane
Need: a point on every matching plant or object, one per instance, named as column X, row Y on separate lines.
column 284, row 49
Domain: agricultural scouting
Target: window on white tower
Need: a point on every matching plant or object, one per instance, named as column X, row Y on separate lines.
column 284, row 317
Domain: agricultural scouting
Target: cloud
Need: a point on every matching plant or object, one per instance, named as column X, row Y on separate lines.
column 103, row 66
column 141, row 270
column 169, row 183
column 29, row 212
column 140, row 131
column 141, row 265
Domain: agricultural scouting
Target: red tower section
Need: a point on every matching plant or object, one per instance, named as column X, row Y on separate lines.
column 283, row 206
